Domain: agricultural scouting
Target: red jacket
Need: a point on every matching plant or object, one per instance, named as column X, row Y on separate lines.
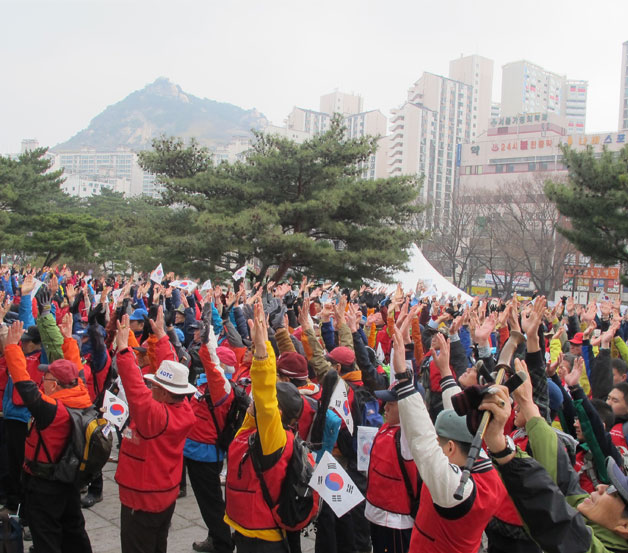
column 151, row 455
column 204, row 430
column 460, row 529
column 386, row 488
column 245, row 503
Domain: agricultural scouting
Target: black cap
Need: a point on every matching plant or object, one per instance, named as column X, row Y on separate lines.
column 32, row 335
column 290, row 401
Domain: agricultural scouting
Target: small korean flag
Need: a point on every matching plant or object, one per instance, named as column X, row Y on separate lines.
column 334, row 485
column 207, row 285
column 158, row 274
column 240, row 273
column 38, row 285
column 187, row 285
column 116, row 410
column 339, row 402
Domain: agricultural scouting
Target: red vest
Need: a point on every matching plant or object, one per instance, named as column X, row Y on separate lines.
column 55, row 437
column 310, row 408
column 204, row 430
column 617, row 436
column 434, row 533
column 96, row 380
column 386, row 488
column 155, row 464
column 245, row 503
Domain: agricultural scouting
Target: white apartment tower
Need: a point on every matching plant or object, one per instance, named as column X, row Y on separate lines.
column 476, row 71
column 576, row 105
column 359, row 123
column 528, row 88
column 623, row 91
column 425, row 134
column 339, row 102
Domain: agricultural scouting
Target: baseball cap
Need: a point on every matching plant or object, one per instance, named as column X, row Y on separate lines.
column 577, row 339
column 138, row 315
column 32, row 334
column 290, row 401
column 63, row 370
column 343, row 355
column 618, row 479
column 387, row 395
column 452, row 426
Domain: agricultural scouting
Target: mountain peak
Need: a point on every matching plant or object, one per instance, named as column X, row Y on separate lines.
column 163, row 108
column 163, row 86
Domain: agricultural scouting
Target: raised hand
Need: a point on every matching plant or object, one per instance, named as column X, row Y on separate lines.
column 573, row 378
column 15, row 333
column 304, row 316
column 122, row 336
column 531, row 321
column 440, row 353
column 66, row 325
column 157, row 325
column 259, row 331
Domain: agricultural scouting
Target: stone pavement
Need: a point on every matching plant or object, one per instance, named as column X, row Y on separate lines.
column 103, row 521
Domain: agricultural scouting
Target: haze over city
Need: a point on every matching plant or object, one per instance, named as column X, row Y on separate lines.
column 64, row 62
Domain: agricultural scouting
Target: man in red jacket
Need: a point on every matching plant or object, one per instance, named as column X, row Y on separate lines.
column 151, row 455
column 54, row 507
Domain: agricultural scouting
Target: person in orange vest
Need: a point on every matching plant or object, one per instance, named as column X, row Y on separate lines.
column 151, row 455
column 264, row 433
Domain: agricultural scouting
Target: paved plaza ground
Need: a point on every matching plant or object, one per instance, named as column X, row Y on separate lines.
column 103, row 521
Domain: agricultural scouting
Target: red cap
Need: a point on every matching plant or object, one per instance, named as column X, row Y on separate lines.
column 292, row 365
column 577, row 339
column 343, row 355
column 226, row 356
column 63, row 370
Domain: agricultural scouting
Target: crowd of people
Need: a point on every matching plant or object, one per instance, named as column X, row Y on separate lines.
column 223, row 376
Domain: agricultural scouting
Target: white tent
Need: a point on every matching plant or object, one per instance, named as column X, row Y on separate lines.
column 421, row 269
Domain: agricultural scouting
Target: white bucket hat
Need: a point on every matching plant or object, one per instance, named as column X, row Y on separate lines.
column 172, row 376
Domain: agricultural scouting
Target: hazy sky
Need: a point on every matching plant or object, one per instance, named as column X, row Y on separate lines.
column 63, row 62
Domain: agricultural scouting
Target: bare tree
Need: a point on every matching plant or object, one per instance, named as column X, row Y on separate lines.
column 453, row 245
column 518, row 226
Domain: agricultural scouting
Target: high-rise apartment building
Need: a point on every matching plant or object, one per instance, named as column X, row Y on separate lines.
column 101, row 166
column 424, row 136
column 528, row 88
column 576, row 105
column 359, row 123
column 496, row 109
column 340, row 102
column 623, row 94
column 477, row 72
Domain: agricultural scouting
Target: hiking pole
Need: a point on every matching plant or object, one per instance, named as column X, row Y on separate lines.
column 503, row 364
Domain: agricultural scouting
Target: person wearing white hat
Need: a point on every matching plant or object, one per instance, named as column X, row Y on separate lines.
column 151, row 455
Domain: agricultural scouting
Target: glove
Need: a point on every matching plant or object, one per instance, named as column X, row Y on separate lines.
column 205, row 333
column 43, row 298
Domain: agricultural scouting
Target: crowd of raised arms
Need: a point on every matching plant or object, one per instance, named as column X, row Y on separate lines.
column 248, row 379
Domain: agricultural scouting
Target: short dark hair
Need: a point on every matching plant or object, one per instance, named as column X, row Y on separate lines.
column 623, row 388
column 606, row 413
column 463, row 446
column 619, row 365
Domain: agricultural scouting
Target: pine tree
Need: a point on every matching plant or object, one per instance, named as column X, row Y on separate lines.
column 595, row 199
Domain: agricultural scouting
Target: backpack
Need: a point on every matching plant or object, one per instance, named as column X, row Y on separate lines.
column 298, row 504
column 365, row 412
column 10, row 535
column 235, row 415
column 85, row 455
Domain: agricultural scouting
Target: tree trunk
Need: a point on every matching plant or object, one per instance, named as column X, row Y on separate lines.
column 281, row 271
